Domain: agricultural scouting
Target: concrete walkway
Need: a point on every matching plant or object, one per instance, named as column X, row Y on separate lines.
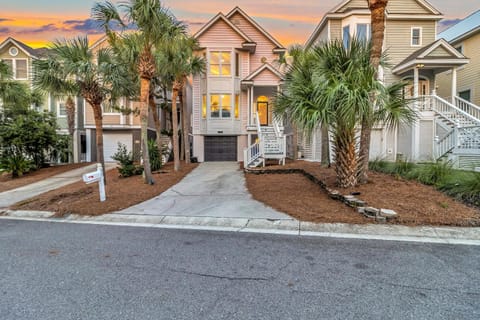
column 13, row 196
column 213, row 189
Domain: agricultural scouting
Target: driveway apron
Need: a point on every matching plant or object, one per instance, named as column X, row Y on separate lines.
column 213, row 189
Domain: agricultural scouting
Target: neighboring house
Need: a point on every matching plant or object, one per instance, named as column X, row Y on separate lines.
column 20, row 57
column 465, row 37
column 416, row 57
column 233, row 100
column 121, row 127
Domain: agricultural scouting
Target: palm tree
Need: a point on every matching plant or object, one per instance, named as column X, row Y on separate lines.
column 156, row 27
column 377, row 10
column 73, row 69
column 12, row 93
column 331, row 85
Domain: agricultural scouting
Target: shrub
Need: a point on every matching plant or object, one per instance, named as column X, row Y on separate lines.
column 125, row 158
column 464, row 186
column 431, row 173
column 14, row 162
column 155, row 156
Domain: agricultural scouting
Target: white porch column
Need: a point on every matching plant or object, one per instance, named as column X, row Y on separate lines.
column 454, row 83
column 416, row 125
column 252, row 109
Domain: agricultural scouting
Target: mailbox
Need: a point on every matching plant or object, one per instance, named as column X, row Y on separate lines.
column 92, row 177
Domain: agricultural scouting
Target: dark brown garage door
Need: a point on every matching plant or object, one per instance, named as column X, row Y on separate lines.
column 220, row 148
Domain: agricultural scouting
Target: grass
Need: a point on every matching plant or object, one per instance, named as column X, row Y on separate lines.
column 462, row 185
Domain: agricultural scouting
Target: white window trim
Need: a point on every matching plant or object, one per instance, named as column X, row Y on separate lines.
column 232, row 54
column 14, row 67
column 11, row 49
column 420, row 37
column 113, row 113
column 58, row 109
column 209, row 106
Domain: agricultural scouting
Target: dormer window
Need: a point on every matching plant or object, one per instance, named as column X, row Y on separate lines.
column 220, row 63
column 416, row 37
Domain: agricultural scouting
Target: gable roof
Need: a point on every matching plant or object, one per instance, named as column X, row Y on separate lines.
column 218, row 17
column 265, row 66
column 29, row 51
column 255, row 24
column 425, row 56
column 337, row 13
column 462, row 29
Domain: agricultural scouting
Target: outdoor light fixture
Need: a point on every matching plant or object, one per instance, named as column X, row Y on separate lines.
column 420, row 65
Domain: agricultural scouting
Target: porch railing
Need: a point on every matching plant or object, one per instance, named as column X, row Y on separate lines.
column 448, row 110
column 252, row 153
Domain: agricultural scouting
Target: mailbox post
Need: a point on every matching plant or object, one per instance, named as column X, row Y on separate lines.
column 97, row 176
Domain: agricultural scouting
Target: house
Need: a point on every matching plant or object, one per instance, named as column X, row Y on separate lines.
column 465, row 37
column 232, row 102
column 20, row 57
column 417, row 57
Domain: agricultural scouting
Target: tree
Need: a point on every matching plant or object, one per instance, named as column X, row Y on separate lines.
column 26, row 136
column 331, row 85
column 157, row 28
column 377, row 10
column 73, row 69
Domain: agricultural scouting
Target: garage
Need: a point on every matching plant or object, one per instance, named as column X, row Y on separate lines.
column 110, row 144
column 220, row 148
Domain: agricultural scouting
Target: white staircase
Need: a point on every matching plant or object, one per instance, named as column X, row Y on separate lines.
column 461, row 143
column 271, row 144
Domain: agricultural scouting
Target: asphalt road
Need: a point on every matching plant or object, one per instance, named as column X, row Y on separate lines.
column 72, row 271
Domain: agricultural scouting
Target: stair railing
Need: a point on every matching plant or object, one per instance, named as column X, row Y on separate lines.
column 467, row 107
column 446, row 144
column 450, row 111
column 252, row 153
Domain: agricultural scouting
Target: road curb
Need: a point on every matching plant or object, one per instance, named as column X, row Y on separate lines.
column 426, row 234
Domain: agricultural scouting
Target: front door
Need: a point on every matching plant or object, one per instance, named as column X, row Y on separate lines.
column 262, row 109
column 423, row 88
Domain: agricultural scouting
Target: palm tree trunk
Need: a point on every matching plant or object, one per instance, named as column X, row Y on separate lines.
column 144, row 94
column 325, row 146
column 346, row 160
column 70, row 108
column 186, row 126
column 156, row 120
column 176, row 153
column 377, row 10
column 97, row 112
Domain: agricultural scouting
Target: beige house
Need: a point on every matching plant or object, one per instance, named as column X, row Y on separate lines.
column 20, row 57
column 465, row 37
column 417, row 57
column 233, row 100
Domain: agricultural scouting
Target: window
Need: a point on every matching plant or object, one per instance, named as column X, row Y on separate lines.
column 220, row 63
column 416, row 37
column 237, row 106
column 363, row 32
column 465, row 95
column 204, row 106
column 13, row 51
column 18, row 68
column 109, row 106
column 346, row 36
column 61, row 109
column 237, row 65
column 220, row 106
column 21, row 69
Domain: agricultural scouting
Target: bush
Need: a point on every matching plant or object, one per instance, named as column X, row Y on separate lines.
column 155, row 156
column 127, row 166
column 431, row 173
column 14, row 162
column 464, row 186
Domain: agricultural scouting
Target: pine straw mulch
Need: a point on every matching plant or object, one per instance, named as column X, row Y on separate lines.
column 82, row 199
column 9, row 183
column 416, row 204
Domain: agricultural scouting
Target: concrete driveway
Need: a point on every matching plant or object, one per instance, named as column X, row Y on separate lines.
column 213, row 189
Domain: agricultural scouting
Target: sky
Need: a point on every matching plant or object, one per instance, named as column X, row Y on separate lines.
column 39, row 22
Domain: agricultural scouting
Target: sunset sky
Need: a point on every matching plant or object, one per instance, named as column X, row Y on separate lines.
column 38, row 22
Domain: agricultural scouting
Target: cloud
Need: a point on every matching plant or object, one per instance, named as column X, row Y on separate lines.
column 90, row 26
column 4, row 30
column 5, row 19
column 446, row 23
column 45, row 28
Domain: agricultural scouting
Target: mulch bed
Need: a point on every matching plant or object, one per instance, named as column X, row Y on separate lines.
column 415, row 203
column 82, row 199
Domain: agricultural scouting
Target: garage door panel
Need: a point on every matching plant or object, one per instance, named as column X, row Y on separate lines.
column 220, row 148
column 110, row 144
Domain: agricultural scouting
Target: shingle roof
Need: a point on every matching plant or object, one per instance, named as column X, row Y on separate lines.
column 464, row 27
